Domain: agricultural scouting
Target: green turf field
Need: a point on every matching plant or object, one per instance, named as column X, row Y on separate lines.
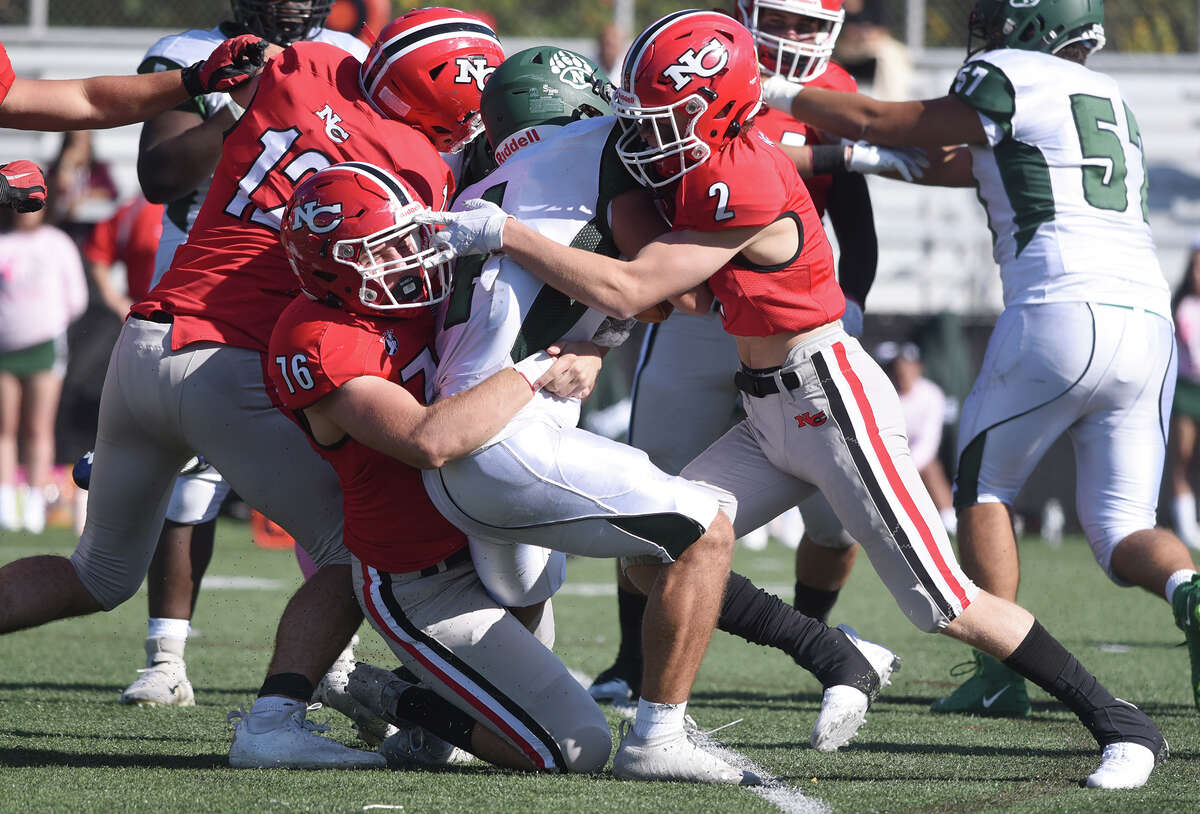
column 66, row 744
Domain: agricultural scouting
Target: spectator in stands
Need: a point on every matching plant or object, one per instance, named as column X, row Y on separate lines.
column 924, row 407
column 131, row 237
column 1185, row 411
column 867, row 49
column 82, row 191
column 611, row 46
column 42, row 289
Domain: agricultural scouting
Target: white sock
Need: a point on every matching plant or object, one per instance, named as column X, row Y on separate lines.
column 1180, row 577
column 171, row 628
column 1184, row 510
column 656, row 720
column 949, row 520
column 33, row 508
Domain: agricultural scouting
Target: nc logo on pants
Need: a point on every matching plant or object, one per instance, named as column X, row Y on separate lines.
column 812, row 419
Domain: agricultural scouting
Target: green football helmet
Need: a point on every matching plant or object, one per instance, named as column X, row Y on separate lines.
column 539, row 87
column 1036, row 25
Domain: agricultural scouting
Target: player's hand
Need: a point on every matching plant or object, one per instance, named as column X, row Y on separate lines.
column 576, row 367
column 478, row 229
column 22, row 186
column 231, row 64
column 852, row 320
column 907, row 162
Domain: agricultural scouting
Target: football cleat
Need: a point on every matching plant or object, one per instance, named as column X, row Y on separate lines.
column 673, row 757
column 1125, row 765
column 1186, row 604
column 332, row 692
column 844, row 708
column 163, row 682
column 414, row 745
column 993, row 690
column 285, row 739
column 616, row 685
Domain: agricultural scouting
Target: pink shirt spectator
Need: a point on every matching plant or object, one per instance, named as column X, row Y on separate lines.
column 1187, row 334
column 924, row 407
column 42, row 286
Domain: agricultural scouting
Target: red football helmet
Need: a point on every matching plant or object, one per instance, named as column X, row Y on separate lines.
column 428, row 69
column 689, row 83
column 795, row 38
column 349, row 235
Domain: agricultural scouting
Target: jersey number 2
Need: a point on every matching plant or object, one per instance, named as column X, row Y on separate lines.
column 720, row 191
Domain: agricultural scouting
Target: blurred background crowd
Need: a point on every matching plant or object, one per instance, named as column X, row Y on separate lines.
column 68, row 275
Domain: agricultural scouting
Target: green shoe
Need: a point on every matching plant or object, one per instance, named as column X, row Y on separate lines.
column 993, row 690
column 1186, row 604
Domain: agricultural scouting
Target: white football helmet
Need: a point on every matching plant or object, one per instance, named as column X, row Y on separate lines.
column 798, row 51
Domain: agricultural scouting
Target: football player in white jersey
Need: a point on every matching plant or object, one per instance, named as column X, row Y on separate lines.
column 542, row 483
column 177, row 154
column 1085, row 344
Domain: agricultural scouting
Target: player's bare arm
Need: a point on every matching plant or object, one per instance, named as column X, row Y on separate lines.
column 384, row 416
column 926, row 123
column 178, row 151
column 672, row 264
column 111, row 101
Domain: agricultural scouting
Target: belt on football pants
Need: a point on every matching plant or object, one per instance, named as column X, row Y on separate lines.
column 161, row 317
column 758, row 385
column 463, row 555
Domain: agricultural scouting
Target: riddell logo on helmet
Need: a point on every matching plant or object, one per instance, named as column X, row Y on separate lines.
column 515, row 142
column 711, row 59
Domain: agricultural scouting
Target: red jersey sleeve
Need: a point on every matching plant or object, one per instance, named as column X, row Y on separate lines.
column 6, row 73
column 101, row 246
column 835, row 77
column 312, row 354
column 731, row 190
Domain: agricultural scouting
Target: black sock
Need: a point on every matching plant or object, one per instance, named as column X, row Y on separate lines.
column 762, row 618
column 1041, row 659
column 290, row 685
column 814, row 602
column 631, row 607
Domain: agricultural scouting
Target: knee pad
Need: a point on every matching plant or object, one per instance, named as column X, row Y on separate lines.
column 588, row 747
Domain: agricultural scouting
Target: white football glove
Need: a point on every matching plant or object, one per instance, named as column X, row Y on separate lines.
column 853, row 318
column 779, row 93
column 478, row 229
column 868, row 159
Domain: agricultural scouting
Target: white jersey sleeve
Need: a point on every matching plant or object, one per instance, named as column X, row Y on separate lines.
column 1063, row 179
column 178, row 51
column 498, row 312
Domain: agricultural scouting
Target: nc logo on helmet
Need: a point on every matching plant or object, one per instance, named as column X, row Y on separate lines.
column 317, row 217
column 473, row 70
column 711, row 59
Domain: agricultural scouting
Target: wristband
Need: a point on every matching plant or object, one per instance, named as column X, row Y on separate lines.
column 532, row 367
column 828, row 159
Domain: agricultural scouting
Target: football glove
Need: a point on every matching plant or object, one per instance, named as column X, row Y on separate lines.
column 22, row 186
column 231, row 64
column 478, row 229
column 907, row 162
column 852, row 320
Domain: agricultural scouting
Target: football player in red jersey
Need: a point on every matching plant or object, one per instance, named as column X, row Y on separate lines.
column 354, row 361
column 188, row 372
column 683, row 398
column 106, row 101
column 820, row 412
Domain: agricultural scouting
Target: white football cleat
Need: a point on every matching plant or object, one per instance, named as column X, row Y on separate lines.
column 332, row 692
column 1123, row 765
column 284, row 739
column 614, row 690
column 673, row 757
column 163, row 681
column 844, row 708
column 416, row 746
